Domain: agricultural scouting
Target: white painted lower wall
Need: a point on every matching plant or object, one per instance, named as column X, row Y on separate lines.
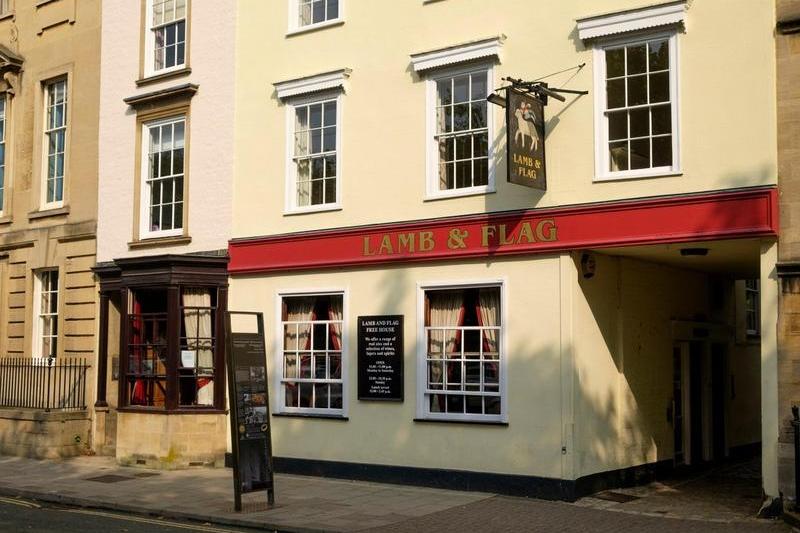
column 589, row 367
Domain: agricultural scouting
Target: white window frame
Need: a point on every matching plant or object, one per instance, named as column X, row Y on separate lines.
column 279, row 400
column 4, row 159
column 150, row 44
column 756, row 290
column 290, row 205
column 36, row 348
column 432, row 191
column 294, row 19
column 144, row 172
column 423, row 410
column 46, row 132
column 601, row 119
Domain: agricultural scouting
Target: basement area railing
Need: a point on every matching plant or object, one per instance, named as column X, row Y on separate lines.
column 51, row 384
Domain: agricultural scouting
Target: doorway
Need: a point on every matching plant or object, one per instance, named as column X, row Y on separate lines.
column 699, row 401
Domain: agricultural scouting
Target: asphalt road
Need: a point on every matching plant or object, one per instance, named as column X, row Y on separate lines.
column 17, row 515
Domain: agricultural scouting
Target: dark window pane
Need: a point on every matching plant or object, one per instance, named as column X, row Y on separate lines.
column 329, row 139
column 317, row 167
column 306, row 391
column 618, row 152
column 316, row 115
column 317, row 192
column 662, row 119
column 330, row 114
column 478, row 86
column 474, row 404
column 659, row 87
column 461, row 89
column 461, row 117
column 444, row 89
column 291, row 395
column 640, row 122
column 659, row 55
column 321, row 396
column 640, row 154
column 662, row 151
column 463, row 147
column 615, row 62
column 446, row 149
column 637, row 90
column 330, row 166
column 480, row 145
column 478, row 115
column 618, row 125
column 316, row 141
column 616, row 93
column 333, row 9
column 336, row 396
column 481, row 174
column 492, row 406
column 637, row 59
column 463, row 174
column 455, row 404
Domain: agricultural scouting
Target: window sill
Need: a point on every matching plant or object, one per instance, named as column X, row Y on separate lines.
column 469, row 422
column 155, row 411
column 459, row 193
column 7, row 16
column 155, row 78
column 44, row 213
column 152, row 242
column 315, row 209
column 314, row 27
column 5, row 220
column 311, row 415
column 637, row 176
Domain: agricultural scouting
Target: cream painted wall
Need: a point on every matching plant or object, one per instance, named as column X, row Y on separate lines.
column 727, row 113
column 211, row 56
column 384, row 433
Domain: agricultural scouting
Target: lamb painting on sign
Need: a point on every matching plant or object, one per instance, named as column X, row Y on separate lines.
column 525, row 141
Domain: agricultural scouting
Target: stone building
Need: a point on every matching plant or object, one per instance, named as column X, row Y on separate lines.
column 50, row 86
column 166, row 167
column 788, row 107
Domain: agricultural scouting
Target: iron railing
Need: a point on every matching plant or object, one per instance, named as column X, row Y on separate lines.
column 48, row 384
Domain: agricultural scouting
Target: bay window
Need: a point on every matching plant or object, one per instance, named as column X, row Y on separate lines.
column 173, row 356
column 463, row 354
column 311, row 354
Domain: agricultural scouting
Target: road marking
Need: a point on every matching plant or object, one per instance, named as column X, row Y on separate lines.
column 21, row 503
column 193, row 527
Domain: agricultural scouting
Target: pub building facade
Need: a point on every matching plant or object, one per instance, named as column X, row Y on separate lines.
column 429, row 322
column 166, row 163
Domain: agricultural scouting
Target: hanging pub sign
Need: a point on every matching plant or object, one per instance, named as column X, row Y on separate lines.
column 380, row 358
column 525, row 139
column 248, row 395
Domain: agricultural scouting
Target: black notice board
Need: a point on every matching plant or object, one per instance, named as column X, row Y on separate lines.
column 248, row 393
column 380, row 358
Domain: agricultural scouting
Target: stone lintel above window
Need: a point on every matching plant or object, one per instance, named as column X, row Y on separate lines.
column 184, row 91
column 312, row 84
column 629, row 20
column 460, row 53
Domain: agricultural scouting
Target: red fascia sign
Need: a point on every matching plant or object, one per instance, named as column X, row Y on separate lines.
column 673, row 219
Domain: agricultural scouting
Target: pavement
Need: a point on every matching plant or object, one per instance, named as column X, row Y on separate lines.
column 718, row 500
